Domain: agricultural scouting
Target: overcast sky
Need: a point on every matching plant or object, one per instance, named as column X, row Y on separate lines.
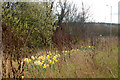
column 101, row 12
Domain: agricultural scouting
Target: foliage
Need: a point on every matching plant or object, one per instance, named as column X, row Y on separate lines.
column 25, row 26
column 31, row 22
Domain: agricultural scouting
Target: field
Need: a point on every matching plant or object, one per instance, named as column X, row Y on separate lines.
column 99, row 61
column 38, row 41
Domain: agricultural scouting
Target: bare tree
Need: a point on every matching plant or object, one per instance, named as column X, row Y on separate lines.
column 62, row 9
column 67, row 13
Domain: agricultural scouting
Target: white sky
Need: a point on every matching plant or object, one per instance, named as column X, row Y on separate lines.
column 101, row 12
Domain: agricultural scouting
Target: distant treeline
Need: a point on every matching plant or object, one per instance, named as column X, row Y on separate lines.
column 92, row 29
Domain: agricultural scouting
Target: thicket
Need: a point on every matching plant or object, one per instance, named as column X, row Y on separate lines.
column 27, row 25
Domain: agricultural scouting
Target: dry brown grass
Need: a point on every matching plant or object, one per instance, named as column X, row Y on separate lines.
column 102, row 62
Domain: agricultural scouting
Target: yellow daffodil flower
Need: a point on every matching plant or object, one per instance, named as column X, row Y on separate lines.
column 42, row 61
column 56, row 60
column 44, row 66
column 58, row 55
column 36, row 57
column 53, row 62
column 33, row 57
column 21, row 63
column 65, row 54
column 56, row 51
column 89, row 46
column 50, row 61
column 47, row 65
column 35, row 62
column 48, row 56
column 39, row 57
column 26, row 59
column 22, row 77
column 40, row 64
column 66, row 51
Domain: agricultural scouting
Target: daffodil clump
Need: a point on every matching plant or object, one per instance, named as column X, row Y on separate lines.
column 87, row 47
column 66, row 52
column 43, row 61
column 26, row 60
column 73, row 50
column 46, row 61
column 82, row 48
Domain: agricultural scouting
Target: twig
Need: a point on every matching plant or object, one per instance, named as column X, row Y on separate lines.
column 111, row 72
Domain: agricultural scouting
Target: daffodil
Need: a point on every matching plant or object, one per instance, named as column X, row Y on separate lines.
column 39, row 57
column 49, row 52
column 58, row 55
column 63, row 51
column 21, row 63
column 29, row 59
column 50, row 61
column 40, row 64
column 89, row 46
column 47, row 65
column 77, row 49
column 36, row 57
column 56, row 51
column 44, row 66
column 22, row 77
column 56, row 60
column 48, row 56
column 53, row 62
column 66, row 51
column 81, row 46
column 35, row 62
column 42, row 61
column 44, row 58
column 65, row 54
column 72, row 50
column 26, row 59
column 33, row 57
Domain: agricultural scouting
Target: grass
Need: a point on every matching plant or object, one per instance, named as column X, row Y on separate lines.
column 102, row 62
column 108, row 59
